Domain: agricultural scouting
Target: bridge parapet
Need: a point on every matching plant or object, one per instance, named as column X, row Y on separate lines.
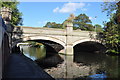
column 53, row 31
column 83, row 33
column 36, row 30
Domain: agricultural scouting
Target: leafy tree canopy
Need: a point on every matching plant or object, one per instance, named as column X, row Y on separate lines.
column 53, row 25
column 83, row 18
column 98, row 28
column 83, row 22
column 111, row 29
column 109, row 7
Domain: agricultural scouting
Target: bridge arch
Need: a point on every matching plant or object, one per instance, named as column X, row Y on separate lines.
column 84, row 40
column 89, row 45
column 45, row 38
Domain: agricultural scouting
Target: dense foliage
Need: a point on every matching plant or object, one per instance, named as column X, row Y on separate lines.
column 112, row 28
column 98, row 28
column 81, row 22
column 53, row 25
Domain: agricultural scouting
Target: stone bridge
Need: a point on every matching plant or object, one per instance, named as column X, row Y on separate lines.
column 68, row 37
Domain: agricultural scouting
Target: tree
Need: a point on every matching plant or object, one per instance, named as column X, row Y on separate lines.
column 111, row 29
column 16, row 18
column 111, row 37
column 83, row 22
column 109, row 7
column 53, row 25
column 48, row 24
column 98, row 28
column 83, row 18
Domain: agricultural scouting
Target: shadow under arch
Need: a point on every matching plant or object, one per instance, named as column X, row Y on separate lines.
column 89, row 46
column 84, row 40
column 52, row 58
column 44, row 37
column 88, row 52
column 51, row 46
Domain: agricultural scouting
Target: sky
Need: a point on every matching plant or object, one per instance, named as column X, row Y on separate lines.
column 37, row 14
column 65, row 0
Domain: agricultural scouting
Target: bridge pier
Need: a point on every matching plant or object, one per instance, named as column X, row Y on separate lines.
column 69, row 61
column 69, row 66
column 69, row 50
column 69, row 46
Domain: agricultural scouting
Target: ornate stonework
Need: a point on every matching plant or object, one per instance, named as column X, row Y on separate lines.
column 68, row 22
column 6, row 13
column 71, row 18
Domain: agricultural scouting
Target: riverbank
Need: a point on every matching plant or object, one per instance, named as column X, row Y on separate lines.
column 60, row 71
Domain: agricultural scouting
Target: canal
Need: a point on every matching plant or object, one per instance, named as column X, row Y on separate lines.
column 81, row 65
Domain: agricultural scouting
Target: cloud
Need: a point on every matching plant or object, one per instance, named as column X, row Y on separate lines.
column 92, row 18
column 70, row 7
column 56, row 9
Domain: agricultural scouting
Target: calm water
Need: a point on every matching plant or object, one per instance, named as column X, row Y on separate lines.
column 34, row 53
column 93, row 63
column 99, row 63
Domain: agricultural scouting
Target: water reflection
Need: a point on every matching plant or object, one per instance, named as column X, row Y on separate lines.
column 41, row 57
column 85, row 65
column 49, row 62
column 34, row 52
column 102, row 62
